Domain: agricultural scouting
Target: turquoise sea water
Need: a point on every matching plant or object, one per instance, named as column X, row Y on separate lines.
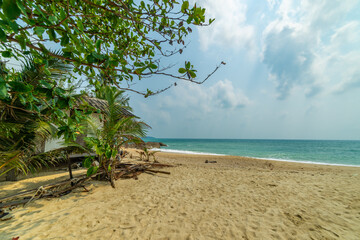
column 336, row 152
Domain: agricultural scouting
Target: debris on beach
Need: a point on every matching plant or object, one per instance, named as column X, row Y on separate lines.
column 4, row 216
column 207, row 161
column 58, row 189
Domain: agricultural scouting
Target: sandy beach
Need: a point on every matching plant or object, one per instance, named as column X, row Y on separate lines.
column 234, row 198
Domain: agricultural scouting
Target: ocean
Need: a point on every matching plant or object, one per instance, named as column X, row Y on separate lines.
column 331, row 152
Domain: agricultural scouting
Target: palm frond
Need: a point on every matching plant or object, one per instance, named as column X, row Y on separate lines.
column 45, row 130
column 21, row 131
column 12, row 160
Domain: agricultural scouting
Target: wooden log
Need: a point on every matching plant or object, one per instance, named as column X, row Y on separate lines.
column 157, row 171
column 161, row 165
column 31, row 191
column 14, row 203
column 47, row 186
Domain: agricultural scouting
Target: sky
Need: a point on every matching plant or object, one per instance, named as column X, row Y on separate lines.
column 292, row 72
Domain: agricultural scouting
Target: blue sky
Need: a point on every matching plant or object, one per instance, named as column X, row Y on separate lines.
column 292, row 72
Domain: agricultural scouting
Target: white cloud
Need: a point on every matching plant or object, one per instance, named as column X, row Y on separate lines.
column 271, row 3
column 311, row 44
column 230, row 28
column 198, row 98
column 346, row 38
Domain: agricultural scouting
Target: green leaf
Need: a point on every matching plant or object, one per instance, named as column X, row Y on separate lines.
column 98, row 56
column 90, row 59
column 90, row 171
column 64, row 40
column 62, row 14
column 152, row 66
column 19, row 87
column 2, row 36
column 47, row 71
column 21, row 40
column 45, row 83
column 62, row 103
column 139, row 70
column 98, row 44
column 189, row 19
column 114, row 153
column 118, row 52
column 192, row 74
column 22, row 8
column 108, row 154
column 161, row 27
column 3, row 90
column 51, row 34
column 80, row 25
column 187, row 65
column 14, row 26
column 39, row 31
column 22, row 99
column 11, row 9
column 182, row 70
column 53, row 19
column 148, row 93
column 184, row 6
column 6, row 54
column 87, row 162
column 37, row 109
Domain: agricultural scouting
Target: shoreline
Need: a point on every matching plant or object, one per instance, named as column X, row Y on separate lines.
column 186, row 152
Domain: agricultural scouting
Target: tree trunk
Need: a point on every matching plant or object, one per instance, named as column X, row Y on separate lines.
column 69, row 166
column 11, row 175
column 112, row 172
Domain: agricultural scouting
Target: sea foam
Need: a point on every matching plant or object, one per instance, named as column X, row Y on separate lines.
column 186, row 152
column 307, row 162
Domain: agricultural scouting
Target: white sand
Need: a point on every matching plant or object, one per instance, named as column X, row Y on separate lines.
column 235, row 198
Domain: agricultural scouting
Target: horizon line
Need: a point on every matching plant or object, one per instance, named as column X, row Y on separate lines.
column 295, row 139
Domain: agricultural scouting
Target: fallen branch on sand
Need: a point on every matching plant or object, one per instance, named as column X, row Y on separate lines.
column 123, row 170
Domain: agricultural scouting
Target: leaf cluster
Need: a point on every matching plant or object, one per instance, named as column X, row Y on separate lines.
column 121, row 39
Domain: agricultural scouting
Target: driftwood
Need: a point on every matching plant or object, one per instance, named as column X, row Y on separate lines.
column 14, row 203
column 123, row 170
column 145, row 155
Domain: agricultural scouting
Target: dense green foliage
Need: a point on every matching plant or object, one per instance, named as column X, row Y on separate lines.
column 120, row 39
column 111, row 42
column 24, row 124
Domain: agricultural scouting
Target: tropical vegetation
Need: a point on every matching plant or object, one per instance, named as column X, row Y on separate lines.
column 24, row 122
column 110, row 42
column 116, row 130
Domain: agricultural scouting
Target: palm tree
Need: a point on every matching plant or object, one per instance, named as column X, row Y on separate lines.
column 117, row 129
column 23, row 122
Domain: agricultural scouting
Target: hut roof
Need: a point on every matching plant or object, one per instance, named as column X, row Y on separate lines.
column 102, row 105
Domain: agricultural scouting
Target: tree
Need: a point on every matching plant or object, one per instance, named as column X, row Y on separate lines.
column 120, row 39
column 22, row 130
column 116, row 130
